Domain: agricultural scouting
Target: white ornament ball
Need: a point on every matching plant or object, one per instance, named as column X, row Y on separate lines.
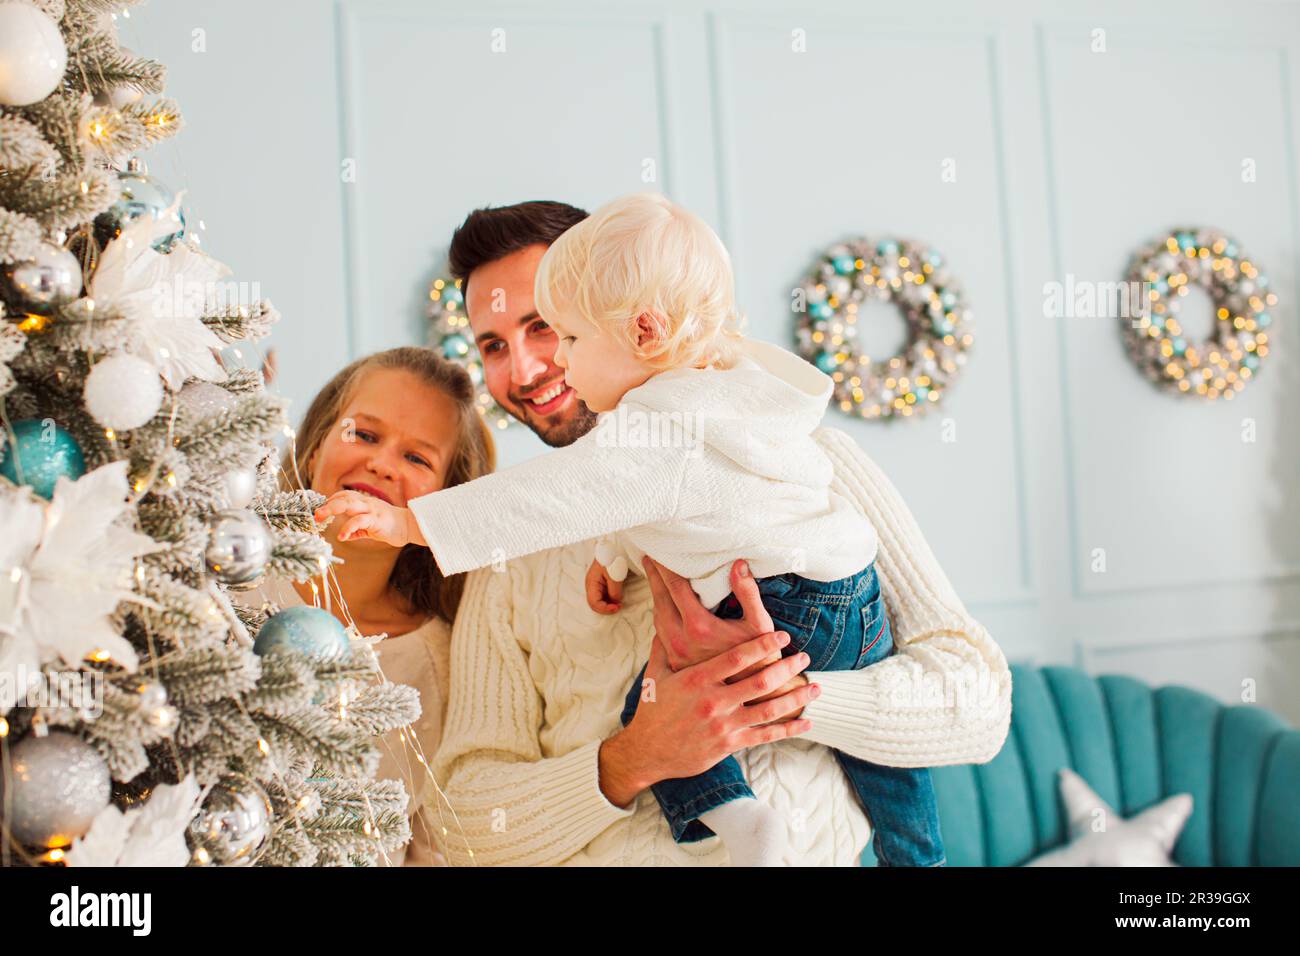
column 123, row 392
column 123, row 96
column 32, row 55
column 201, row 399
column 241, row 486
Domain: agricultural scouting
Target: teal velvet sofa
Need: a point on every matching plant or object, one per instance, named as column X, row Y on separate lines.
column 1135, row 745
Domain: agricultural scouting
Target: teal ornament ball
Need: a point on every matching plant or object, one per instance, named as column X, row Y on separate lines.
column 311, row 631
column 38, row 454
column 455, row 346
column 142, row 195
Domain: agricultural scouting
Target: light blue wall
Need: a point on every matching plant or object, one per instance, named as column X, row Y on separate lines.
column 1066, row 159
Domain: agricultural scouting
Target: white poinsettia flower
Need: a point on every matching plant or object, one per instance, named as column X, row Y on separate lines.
column 164, row 297
column 21, row 519
column 65, row 566
column 153, row 835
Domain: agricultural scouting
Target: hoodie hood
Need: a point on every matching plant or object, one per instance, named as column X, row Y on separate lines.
column 759, row 413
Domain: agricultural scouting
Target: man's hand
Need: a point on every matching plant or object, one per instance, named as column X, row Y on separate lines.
column 696, row 717
column 691, row 633
column 369, row 517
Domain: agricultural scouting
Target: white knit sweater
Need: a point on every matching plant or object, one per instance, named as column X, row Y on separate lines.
column 695, row 467
column 538, row 680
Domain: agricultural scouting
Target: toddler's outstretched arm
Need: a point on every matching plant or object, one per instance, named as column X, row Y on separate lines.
column 368, row 517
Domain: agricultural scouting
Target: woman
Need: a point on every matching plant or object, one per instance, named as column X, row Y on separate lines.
column 396, row 425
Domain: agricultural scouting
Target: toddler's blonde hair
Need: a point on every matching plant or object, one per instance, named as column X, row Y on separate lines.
column 644, row 255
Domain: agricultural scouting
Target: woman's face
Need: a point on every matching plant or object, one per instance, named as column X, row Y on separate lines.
column 394, row 439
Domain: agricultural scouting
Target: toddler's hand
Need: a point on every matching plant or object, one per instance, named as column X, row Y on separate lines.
column 604, row 594
column 368, row 517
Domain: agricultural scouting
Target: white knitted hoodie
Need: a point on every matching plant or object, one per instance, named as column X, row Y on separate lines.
column 696, row 468
column 538, row 681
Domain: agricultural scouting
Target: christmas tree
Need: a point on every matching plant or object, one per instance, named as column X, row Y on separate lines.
column 145, row 716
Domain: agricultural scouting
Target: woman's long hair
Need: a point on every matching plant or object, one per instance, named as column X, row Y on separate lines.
column 415, row 577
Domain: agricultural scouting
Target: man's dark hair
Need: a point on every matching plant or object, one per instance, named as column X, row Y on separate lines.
column 493, row 233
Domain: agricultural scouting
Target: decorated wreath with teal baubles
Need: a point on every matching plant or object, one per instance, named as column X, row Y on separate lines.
column 449, row 334
column 1166, row 268
column 913, row 277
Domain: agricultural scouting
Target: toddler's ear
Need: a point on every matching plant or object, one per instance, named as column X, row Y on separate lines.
column 650, row 330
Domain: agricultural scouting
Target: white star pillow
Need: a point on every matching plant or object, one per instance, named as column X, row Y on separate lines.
column 1101, row 837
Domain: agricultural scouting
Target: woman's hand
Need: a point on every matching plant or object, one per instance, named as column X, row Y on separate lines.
column 688, row 720
column 369, row 517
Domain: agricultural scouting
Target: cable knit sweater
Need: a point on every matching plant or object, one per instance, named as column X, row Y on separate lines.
column 538, row 681
column 694, row 467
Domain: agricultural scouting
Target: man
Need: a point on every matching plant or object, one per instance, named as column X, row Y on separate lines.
column 535, row 764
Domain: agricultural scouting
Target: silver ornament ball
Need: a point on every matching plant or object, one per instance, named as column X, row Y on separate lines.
column 233, row 824
column 239, row 546
column 57, row 787
column 41, row 284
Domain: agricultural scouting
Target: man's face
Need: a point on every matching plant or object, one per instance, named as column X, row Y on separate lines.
column 518, row 350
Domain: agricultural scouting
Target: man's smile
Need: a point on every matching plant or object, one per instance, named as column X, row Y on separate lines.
column 549, row 399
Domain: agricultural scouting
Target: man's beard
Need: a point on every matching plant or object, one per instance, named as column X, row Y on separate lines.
column 579, row 423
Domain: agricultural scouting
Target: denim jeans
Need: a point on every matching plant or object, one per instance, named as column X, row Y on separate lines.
column 840, row 625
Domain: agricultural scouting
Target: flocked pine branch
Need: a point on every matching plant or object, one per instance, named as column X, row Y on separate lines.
column 239, row 322
column 304, row 729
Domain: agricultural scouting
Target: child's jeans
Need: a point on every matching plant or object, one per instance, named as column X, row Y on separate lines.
column 841, row 625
